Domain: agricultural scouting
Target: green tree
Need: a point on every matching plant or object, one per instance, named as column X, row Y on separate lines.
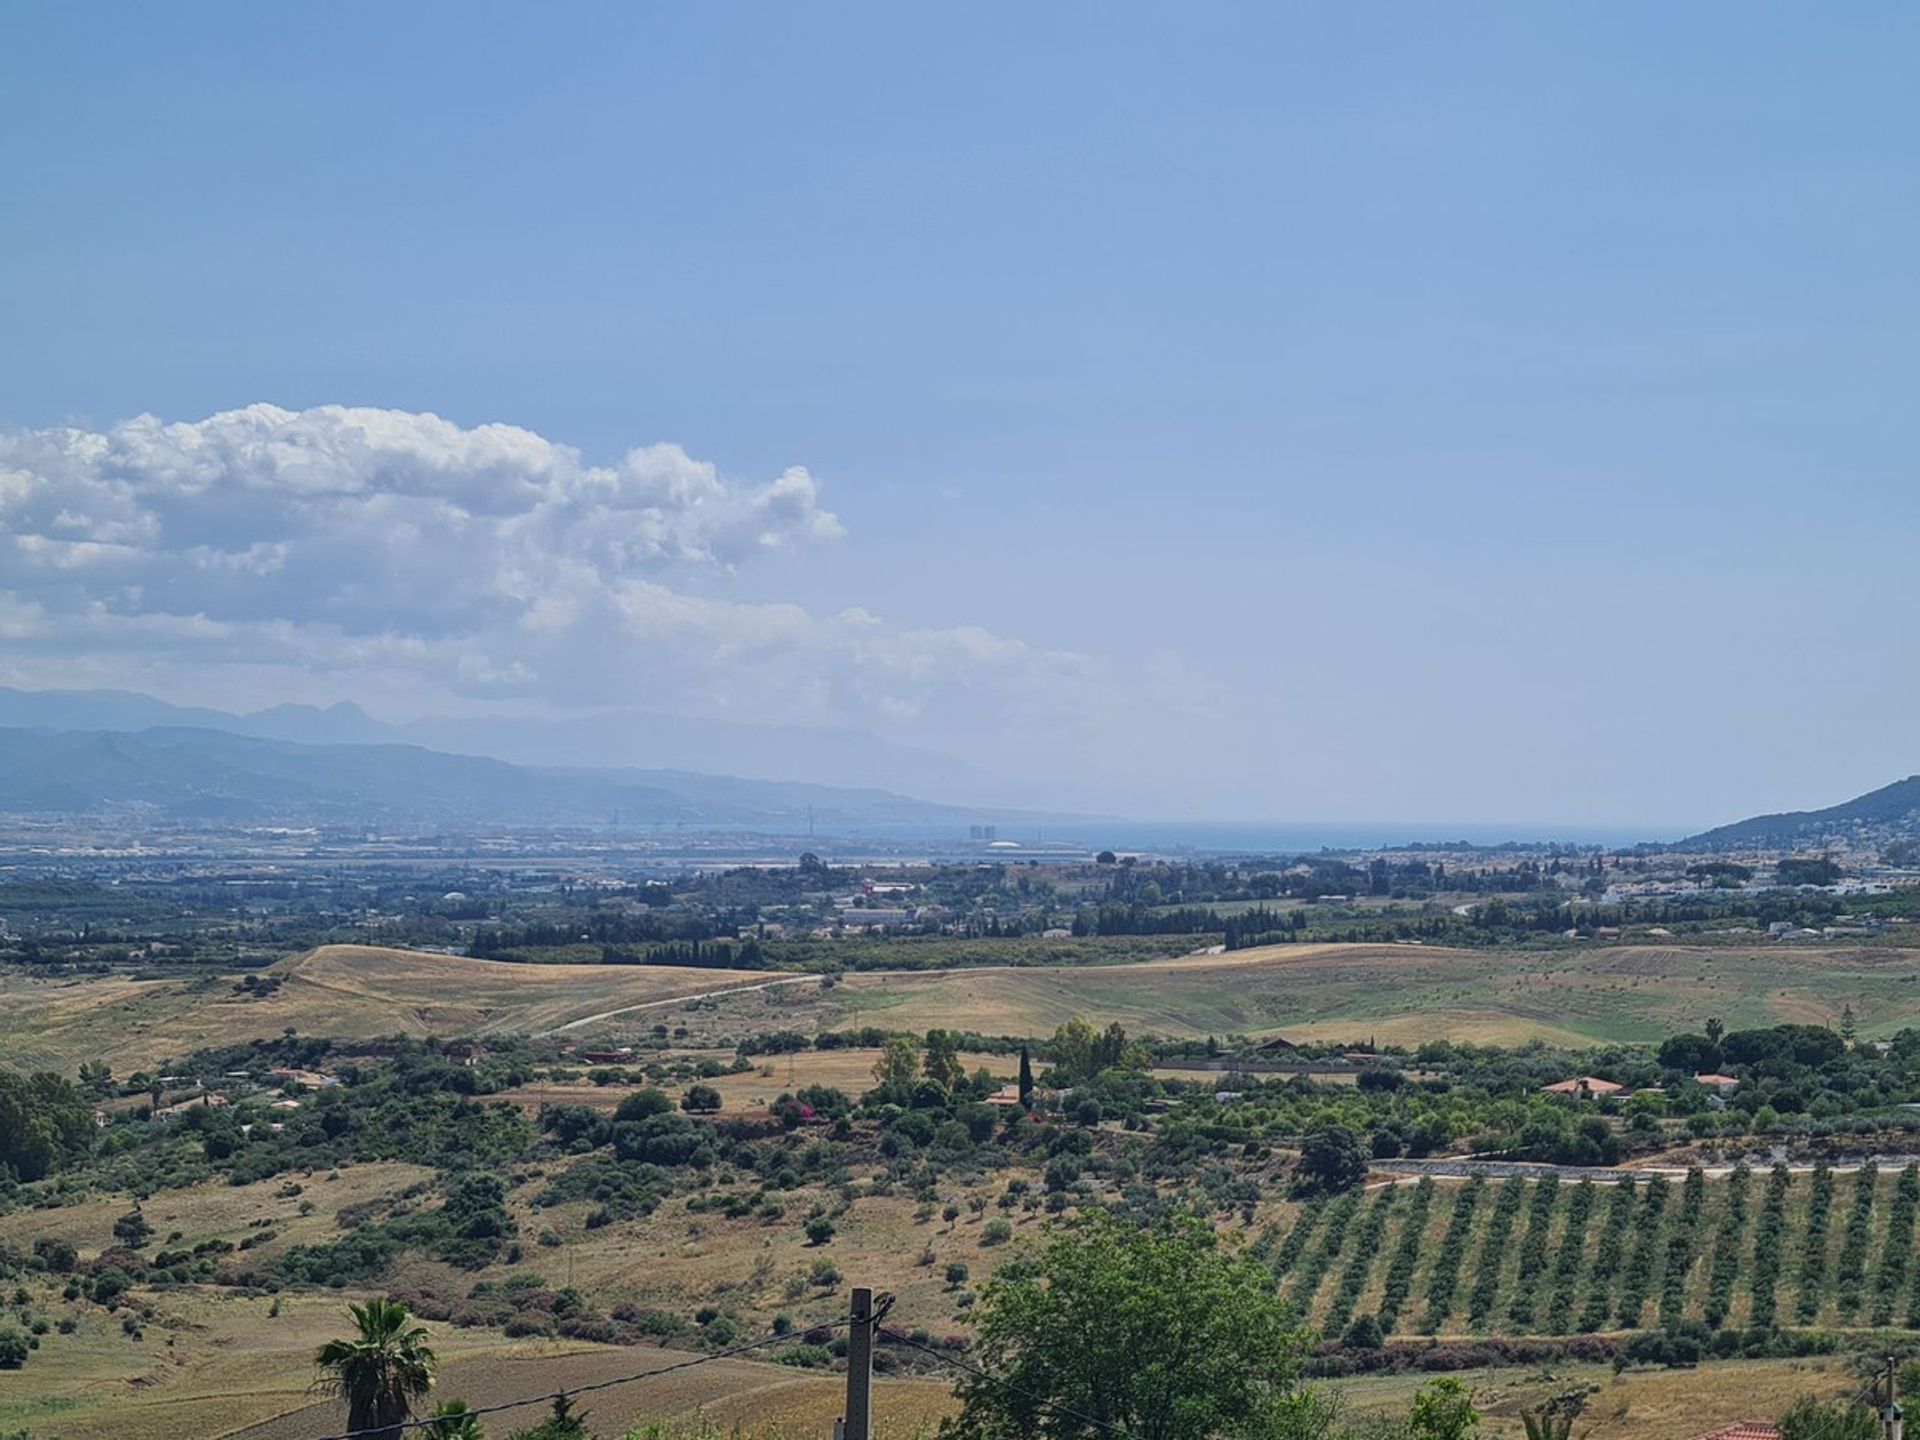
column 899, row 1062
column 1809, row 1418
column 1073, row 1049
column 642, row 1103
column 1443, row 1410
column 1026, row 1079
column 1332, row 1159
column 563, row 1422
column 700, row 1099
column 44, row 1123
column 1161, row 1331
column 381, row 1370
column 943, row 1064
column 455, row 1420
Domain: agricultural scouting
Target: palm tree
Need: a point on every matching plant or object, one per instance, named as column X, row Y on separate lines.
column 453, row 1420
column 381, row 1371
column 1549, row 1422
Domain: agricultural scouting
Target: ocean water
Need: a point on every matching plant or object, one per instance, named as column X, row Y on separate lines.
column 1279, row 837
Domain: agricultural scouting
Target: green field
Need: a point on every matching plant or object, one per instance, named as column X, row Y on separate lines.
column 1395, row 993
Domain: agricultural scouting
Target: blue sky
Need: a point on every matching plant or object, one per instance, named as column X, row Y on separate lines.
column 1247, row 412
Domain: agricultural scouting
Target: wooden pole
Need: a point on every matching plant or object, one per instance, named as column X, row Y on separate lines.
column 859, row 1424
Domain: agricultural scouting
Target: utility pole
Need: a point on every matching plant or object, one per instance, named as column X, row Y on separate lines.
column 859, row 1421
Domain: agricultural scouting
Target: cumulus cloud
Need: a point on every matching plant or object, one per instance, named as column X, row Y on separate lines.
column 380, row 553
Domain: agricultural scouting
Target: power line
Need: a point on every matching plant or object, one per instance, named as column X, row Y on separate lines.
column 751, row 1345
column 992, row 1379
column 1837, row 1421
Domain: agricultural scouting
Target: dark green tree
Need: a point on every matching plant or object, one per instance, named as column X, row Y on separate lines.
column 1332, row 1159
column 563, row 1422
column 1162, row 1332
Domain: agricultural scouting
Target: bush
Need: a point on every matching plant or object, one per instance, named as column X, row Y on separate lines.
column 819, row 1230
column 14, row 1348
column 643, row 1103
column 996, row 1232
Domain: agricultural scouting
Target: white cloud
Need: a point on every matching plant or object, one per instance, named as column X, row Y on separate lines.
column 266, row 554
column 486, row 560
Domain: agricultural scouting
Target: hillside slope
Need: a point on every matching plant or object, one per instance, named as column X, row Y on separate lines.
column 1876, row 818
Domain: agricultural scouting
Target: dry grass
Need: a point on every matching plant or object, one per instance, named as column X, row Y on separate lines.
column 1637, row 1405
column 219, row 1211
column 357, row 991
column 1575, row 996
column 849, row 1070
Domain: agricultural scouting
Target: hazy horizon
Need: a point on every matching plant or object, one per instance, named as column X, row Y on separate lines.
column 1226, row 416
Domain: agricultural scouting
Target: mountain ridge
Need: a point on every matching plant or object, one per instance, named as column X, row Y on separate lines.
column 1889, row 813
column 610, row 739
column 186, row 774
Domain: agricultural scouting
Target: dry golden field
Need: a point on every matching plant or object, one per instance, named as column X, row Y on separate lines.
column 346, row 990
column 1393, row 993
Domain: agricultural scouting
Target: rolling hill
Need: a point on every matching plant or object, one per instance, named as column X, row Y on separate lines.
column 1877, row 818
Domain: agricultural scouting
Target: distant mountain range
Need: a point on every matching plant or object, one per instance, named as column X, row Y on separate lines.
column 182, row 774
column 1877, row 818
column 611, row 739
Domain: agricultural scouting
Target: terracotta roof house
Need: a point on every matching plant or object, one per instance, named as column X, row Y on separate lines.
column 1718, row 1082
column 1742, row 1430
column 1585, row 1087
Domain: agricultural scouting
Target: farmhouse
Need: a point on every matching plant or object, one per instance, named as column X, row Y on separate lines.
column 1725, row 1084
column 1584, row 1087
column 312, row 1079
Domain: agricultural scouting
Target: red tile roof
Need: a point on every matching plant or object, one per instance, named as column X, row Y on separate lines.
column 1742, row 1430
column 1584, row 1085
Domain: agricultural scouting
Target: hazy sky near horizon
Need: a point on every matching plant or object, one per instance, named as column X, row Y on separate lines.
column 1501, row 412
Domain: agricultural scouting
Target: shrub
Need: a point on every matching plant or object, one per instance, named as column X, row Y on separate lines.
column 1406, row 1256
column 1638, row 1279
column 1533, row 1254
column 1811, row 1285
column 1607, row 1259
column 1726, row 1248
column 643, row 1103
column 1445, row 1279
column 1493, row 1249
column 1366, row 1248
column 1766, row 1251
column 1851, row 1271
